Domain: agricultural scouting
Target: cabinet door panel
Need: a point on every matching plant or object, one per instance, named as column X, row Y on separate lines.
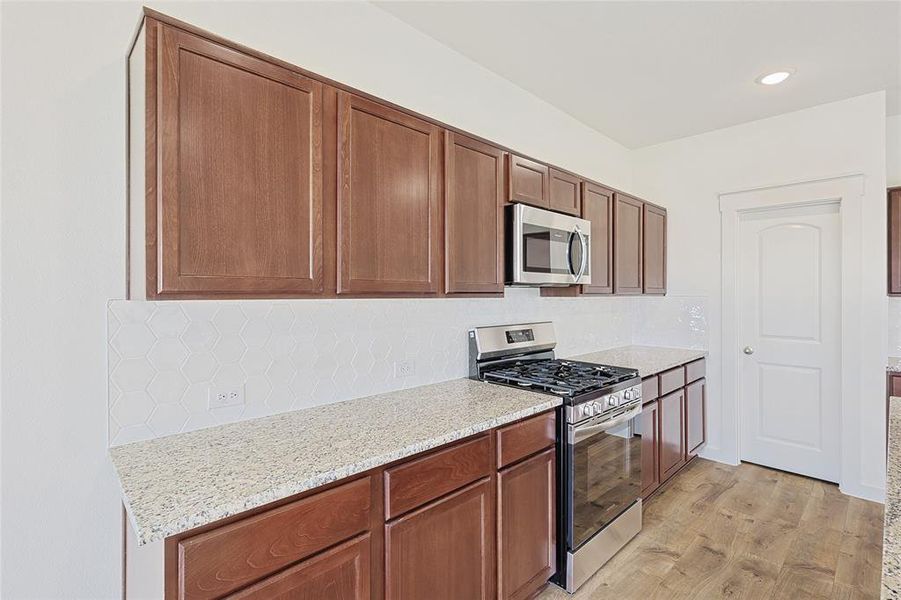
column 526, row 526
column 239, row 205
column 649, row 428
column 654, row 252
column 527, row 181
column 628, row 244
column 696, row 416
column 894, row 241
column 672, row 433
column 388, row 221
column 565, row 192
column 597, row 207
column 341, row 573
column 443, row 551
column 473, row 214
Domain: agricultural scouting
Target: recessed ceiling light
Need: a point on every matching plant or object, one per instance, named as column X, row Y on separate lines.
column 774, row 78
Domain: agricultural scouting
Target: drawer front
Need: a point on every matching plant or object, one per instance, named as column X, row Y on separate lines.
column 650, row 389
column 672, row 380
column 421, row 480
column 222, row 560
column 519, row 440
column 344, row 568
column 695, row 370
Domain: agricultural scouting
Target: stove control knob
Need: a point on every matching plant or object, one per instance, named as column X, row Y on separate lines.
column 612, row 400
column 587, row 410
column 627, row 395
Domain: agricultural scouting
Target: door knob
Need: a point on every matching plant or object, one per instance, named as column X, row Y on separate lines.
column 748, row 350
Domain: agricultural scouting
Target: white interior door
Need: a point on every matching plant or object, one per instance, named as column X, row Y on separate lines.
column 789, row 295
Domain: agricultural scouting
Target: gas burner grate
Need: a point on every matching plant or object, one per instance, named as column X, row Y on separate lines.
column 561, row 377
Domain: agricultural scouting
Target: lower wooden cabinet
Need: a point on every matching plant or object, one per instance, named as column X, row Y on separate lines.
column 475, row 519
column 526, row 525
column 695, row 416
column 443, row 551
column 341, row 573
column 648, row 425
column 672, row 428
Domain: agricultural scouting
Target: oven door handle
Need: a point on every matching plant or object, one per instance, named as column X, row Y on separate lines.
column 579, row 433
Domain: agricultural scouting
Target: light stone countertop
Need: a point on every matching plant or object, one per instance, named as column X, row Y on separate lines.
column 180, row 482
column 891, row 541
column 176, row 483
column 894, row 364
column 649, row 360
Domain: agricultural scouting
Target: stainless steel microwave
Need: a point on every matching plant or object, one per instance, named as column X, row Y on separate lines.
column 545, row 248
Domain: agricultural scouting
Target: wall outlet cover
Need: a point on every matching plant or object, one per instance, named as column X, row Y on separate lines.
column 404, row 368
column 222, row 396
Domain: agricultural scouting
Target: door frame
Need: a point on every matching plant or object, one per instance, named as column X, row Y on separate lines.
column 848, row 192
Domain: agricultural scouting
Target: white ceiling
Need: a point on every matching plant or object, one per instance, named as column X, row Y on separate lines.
column 646, row 72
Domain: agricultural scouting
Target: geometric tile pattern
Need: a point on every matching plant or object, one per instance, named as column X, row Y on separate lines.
column 165, row 356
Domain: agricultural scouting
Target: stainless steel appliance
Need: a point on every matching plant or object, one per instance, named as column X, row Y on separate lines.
column 598, row 446
column 545, row 248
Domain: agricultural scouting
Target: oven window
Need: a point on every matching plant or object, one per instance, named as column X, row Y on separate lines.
column 546, row 250
column 606, row 479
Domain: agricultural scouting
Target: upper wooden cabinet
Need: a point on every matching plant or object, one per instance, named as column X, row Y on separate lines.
column 473, row 216
column 628, row 244
column 233, row 170
column 565, row 192
column 389, row 186
column 894, row 241
column 249, row 177
column 654, row 251
column 597, row 207
column 527, row 181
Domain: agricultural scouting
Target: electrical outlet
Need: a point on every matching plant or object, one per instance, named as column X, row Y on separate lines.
column 404, row 368
column 221, row 397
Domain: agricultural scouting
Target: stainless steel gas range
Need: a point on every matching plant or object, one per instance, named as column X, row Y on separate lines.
column 598, row 446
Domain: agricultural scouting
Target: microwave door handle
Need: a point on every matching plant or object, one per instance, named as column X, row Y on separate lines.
column 583, row 243
column 577, row 434
column 569, row 254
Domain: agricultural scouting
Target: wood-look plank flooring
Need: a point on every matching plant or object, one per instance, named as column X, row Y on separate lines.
column 718, row 531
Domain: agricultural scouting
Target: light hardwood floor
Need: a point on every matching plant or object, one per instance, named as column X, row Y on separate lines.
column 719, row 531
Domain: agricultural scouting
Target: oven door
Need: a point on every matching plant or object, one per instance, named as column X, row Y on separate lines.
column 547, row 248
column 604, row 474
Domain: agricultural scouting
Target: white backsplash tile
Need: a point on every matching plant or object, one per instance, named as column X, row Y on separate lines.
column 894, row 327
column 678, row 321
column 165, row 356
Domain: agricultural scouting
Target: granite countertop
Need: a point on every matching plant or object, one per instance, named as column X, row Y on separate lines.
column 891, row 541
column 180, row 482
column 894, row 364
column 649, row 360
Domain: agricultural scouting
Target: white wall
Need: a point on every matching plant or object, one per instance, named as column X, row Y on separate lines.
column 688, row 175
column 62, row 226
column 893, row 150
column 893, row 178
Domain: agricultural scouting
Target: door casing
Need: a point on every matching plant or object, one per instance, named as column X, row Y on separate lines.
column 848, row 192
